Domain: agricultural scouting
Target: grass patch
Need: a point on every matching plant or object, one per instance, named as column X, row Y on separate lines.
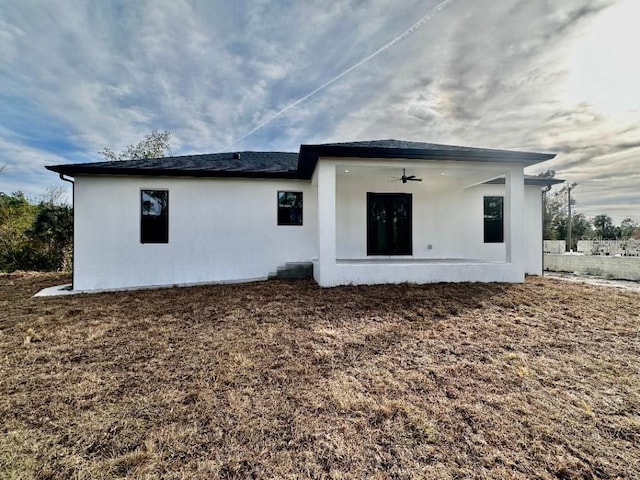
column 284, row 379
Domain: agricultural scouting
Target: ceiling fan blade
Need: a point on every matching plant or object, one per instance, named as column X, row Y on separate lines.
column 406, row 178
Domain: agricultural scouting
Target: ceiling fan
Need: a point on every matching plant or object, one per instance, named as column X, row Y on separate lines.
column 407, row 178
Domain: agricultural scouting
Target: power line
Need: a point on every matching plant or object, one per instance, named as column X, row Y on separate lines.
column 424, row 19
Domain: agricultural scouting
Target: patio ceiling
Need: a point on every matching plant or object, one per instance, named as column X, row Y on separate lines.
column 431, row 173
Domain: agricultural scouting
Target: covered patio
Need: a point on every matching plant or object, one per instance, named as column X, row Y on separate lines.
column 445, row 220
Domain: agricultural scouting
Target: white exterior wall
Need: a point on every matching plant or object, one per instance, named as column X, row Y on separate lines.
column 325, row 266
column 226, row 230
column 219, row 230
column 533, row 230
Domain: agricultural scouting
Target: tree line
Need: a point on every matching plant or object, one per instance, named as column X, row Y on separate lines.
column 35, row 235
column 556, row 222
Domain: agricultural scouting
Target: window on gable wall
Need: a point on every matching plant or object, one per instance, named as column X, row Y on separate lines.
column 154, row 211
column 289, row 208
column 493, row 219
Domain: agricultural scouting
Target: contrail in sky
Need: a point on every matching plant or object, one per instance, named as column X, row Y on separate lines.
column 437, row 9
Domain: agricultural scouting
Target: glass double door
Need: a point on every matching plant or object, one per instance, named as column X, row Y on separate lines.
column 389, row 224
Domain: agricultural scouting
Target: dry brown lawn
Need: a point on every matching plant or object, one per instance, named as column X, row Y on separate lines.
column 283, row 379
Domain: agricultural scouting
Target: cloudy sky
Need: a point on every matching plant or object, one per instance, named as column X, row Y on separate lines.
column 77, row 76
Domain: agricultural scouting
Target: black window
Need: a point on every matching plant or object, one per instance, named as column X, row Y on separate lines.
column 289, row 208
column 154, row 225
column 493, row 220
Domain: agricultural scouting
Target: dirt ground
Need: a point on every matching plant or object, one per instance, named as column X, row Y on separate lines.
column 283, row 379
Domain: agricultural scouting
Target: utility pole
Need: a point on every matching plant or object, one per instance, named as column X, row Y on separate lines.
column 570, row 187
column 545, row 189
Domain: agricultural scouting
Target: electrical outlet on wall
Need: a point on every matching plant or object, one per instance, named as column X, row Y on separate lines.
column 429, row 247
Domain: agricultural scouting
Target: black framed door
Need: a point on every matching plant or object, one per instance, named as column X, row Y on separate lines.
column 389, row 224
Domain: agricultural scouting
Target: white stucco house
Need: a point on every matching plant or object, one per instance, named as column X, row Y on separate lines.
column 384, row 211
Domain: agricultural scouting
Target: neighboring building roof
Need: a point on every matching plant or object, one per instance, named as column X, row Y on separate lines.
column 295, row 165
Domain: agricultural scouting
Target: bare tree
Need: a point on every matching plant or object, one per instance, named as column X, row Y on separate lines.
column 154, row 145
column 53, row 195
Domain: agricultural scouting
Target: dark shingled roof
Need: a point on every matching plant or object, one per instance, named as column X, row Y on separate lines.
column 294, row 165
column 238, row 164
column 309, row 154
column 407, row 145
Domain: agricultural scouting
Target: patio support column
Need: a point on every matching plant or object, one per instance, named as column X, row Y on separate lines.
column 326, row 222
column 514, row 221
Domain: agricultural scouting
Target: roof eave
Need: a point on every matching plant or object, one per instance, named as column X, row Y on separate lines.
column 542, row 182
column 79, row 169
column 309, row 155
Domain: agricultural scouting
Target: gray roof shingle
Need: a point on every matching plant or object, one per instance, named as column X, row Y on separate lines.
column 240, row 164
column 408, row 145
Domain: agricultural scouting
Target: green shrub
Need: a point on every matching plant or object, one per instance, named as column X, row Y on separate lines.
column 34, row 236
